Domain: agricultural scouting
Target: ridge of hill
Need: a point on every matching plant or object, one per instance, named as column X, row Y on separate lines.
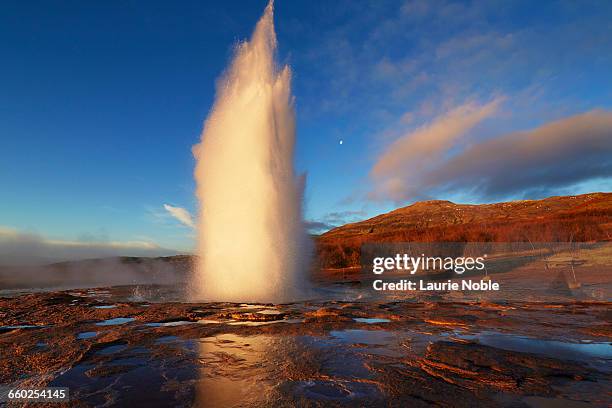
column 581, row 218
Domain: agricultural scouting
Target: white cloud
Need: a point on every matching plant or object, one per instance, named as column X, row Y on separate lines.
column 533, row 163
column 397, row 171
column 181, row 214
column 536, row 162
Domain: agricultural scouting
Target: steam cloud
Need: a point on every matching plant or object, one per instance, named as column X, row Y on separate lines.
column 32, row 261
column 21, row 248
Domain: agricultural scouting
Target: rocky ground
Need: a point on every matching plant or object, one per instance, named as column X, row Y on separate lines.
column 114, row 348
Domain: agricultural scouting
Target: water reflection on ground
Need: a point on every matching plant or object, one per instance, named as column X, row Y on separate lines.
column 348, row 351
column 585, row 350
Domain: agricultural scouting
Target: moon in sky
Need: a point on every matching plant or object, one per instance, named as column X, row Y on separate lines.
column 341, row 141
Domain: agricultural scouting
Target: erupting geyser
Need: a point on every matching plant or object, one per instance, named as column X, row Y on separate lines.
column 251, row 237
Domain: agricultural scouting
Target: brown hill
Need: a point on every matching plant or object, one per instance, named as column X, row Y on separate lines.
column 581, row 218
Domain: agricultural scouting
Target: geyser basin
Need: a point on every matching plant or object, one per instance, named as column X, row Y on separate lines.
column 327, row 352
column 251, row 237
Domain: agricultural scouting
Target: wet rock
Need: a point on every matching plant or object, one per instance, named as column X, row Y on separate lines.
column 108, row 371
column 253, row 317
column 602, row 330
column 474, row 366
column 311, row 354
column 327, row 314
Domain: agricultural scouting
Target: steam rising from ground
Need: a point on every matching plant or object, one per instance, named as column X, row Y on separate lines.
column 251, row 238
column 20, row 248
column 96, row 272
column 29, row 260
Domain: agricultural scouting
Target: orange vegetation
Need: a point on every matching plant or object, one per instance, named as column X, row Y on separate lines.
column 581, row 218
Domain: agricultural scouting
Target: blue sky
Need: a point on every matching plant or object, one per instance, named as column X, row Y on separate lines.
column 101, row 103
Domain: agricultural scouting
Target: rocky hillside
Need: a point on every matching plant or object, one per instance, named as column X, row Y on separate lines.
column 586, row 217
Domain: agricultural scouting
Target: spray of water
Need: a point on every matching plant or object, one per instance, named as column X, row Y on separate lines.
column 251, row 236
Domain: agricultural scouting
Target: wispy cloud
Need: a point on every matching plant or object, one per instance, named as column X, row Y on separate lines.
column 400, row 53
column 530, row 163
column 536, row 162
column 23, row 248
column 399, row 168
column 181, row 214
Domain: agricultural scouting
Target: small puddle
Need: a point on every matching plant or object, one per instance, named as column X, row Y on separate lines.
column 211, row 321
column 270, row 312
column 20, row 326
column 251, row 306
column 370, row 320
column 169, row 324
column 218, row 391
column 166, row 339
column 105, row 307
column 86, row 335
column 292, row 321
column 375, row 342
column 370, row 337
column 551, row 348
column 248, row 322
column 115, row 348
column 98, row 293
column 243, row 348
column 253, row 323
column 115, row 321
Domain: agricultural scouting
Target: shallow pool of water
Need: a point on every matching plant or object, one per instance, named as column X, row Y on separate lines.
column 115, row 348
column 169, row 324
column 20, row 326
column 370, row 320
column 166, row 339
column 551, row 348
column 370, row 337
column 270, row 312
column 115, row 321
column 87, row 335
